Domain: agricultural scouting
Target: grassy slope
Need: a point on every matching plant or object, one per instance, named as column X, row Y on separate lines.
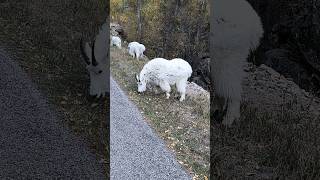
column 281, row 144
column 44, row 37
column 184, row 126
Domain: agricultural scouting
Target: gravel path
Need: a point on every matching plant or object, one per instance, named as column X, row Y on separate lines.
column 33, row 142
column 135, row 151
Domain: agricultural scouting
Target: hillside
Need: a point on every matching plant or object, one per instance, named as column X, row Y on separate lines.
column 277, row 136
column 183, row 125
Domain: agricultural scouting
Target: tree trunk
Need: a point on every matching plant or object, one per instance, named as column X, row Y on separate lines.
column 139, row 23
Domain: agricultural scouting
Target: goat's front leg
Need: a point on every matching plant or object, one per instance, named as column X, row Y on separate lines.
column 181, row 87
column 233, row 112
column 165, row 86
column 219, row 108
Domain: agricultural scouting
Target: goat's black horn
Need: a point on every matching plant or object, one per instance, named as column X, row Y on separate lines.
column 83, row 53
column 94, row 61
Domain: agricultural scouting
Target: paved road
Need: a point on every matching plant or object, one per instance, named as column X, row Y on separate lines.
column 135, row 151
column 33, row 142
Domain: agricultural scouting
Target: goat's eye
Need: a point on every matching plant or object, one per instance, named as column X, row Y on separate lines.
column 100, row 72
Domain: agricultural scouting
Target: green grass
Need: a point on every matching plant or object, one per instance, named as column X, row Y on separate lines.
column 43, row 36
column 183, row 126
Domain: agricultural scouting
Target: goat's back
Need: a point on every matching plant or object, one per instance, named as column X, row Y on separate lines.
column 131, row 44
column 169, row 70
column 236, row 25
column 115, row 39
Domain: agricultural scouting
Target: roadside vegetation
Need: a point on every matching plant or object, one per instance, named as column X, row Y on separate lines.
column 267, row 145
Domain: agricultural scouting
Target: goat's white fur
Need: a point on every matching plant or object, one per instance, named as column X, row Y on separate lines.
column 163, row 73
column 99, row 75
column 136, row 49
column 236, row 29
column 115, row 40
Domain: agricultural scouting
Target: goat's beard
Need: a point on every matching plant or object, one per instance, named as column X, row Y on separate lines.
column 99, row 84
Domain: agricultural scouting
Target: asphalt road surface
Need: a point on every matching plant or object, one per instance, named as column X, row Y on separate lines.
column 135, row 151
column 33, row 142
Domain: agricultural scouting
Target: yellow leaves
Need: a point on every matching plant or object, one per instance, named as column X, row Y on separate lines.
column 197, row 177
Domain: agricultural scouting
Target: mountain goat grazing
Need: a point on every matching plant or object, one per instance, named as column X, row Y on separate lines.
column 163, row 73
column 115, row 40
column 136, row 49
column 236, row 30
column 96, row 60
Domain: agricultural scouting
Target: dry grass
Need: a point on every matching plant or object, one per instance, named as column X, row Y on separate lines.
column 184, row 126
column 44, row 37
column 267, row 145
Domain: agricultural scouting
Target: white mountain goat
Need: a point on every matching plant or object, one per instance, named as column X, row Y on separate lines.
column 136, row 49
column 96, row 60
column 236, row 30
column 115, row 40
column 163, row 73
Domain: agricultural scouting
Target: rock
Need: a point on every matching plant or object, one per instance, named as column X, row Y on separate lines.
column 117, row 30
column 113, row 29
column 267, row 90
column 196, row 92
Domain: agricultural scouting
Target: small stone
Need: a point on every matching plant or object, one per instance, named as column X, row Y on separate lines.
column 63, row 102
column 94, row 105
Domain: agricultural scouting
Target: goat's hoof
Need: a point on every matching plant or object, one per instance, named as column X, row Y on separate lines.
column 217, row 116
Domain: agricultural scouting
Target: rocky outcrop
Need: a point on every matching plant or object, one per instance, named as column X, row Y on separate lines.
column 297, row 34
column 117, row 30
column 196, row 92
column 269, row 91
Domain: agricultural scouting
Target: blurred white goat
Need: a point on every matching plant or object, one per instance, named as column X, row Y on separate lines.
column 115, row 40
column 236, row 29
column 96, row 59
column 136, row 49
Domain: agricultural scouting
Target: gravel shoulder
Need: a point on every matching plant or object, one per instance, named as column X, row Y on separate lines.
column 34, row 142
column 135, row 151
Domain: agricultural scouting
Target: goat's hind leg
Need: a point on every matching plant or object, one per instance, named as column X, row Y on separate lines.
column 219, row 108
column 137, row 55
column 165, row 86
column 233, row 112
column 181, row 88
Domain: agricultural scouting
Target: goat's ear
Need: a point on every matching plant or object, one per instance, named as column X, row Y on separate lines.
column 137, row 78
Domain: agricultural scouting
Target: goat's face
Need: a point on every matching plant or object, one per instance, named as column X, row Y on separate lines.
column 142, row 85
column 99, row 83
